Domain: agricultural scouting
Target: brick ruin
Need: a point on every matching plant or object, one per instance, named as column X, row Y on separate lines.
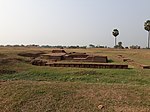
column 61, row 55
column 60, row 58
column 88, row 65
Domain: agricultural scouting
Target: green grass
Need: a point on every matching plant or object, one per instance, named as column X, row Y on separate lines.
column 48, row 89
column 111, row 76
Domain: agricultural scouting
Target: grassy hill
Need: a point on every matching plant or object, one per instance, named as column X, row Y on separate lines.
column 28, row 88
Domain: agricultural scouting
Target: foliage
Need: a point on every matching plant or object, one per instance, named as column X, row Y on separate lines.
column 92, row 46
column 115, row 32
column 134, row 47
column 147, row 25
column 119, row 45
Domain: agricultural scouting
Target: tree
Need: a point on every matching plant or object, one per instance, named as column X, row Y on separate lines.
column 120, row 44
column 147, row 28
column 92, row 46
column 115, row 34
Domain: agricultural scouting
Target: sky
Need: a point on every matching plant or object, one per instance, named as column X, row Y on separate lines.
column 73, row 22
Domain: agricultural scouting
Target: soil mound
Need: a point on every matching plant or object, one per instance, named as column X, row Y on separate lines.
column 4, row 61
column 7, row 71
column 2, row 55
column 31, row 54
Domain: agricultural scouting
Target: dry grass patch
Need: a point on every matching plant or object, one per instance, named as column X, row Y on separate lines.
column 45, row 96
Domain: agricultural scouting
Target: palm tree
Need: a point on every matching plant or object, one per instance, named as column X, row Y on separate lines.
column 115, row 34
column 147, row 28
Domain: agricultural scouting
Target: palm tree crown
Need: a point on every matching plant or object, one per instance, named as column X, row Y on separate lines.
column 115, row 32
column 147, row 25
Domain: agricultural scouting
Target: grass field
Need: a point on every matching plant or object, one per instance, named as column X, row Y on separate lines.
column 28, row 88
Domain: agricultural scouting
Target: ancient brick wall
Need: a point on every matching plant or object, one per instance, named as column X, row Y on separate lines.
column 108, row 66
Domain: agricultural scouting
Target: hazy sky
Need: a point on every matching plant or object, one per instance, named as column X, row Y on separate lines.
column 73, row 22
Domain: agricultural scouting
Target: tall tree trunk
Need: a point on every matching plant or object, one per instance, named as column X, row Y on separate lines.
column 148, row 39
column 115, row 41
